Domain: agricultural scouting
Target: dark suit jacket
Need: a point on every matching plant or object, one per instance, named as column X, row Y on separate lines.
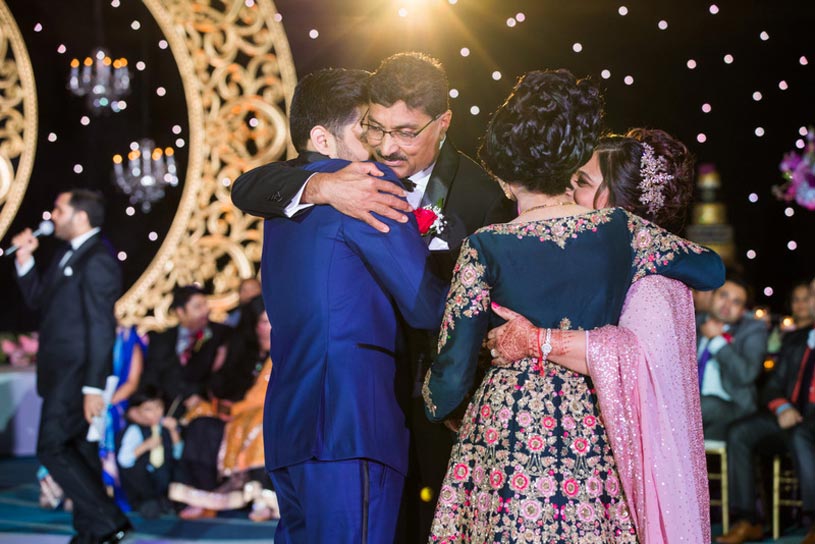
column 163, row 369
column 77, row 321
column 782, row 379
column 741, row 361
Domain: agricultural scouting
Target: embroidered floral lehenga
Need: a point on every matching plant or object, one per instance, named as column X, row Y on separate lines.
column 533, row 461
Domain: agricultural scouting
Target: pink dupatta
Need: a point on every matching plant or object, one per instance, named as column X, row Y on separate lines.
column 645, row 376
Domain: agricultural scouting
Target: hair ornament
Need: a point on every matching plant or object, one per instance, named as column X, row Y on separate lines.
column 654, row 173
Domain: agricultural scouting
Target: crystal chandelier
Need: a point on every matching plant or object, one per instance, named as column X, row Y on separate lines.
column 101, row 80
column 148, row 172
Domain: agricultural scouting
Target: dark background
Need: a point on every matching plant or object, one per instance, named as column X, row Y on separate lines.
column 355, row 33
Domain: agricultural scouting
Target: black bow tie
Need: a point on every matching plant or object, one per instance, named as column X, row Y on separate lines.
column 409, row 185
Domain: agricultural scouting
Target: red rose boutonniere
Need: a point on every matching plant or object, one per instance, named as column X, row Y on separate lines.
column 430, row 219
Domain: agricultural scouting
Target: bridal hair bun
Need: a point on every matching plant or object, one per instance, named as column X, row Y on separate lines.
column 545, row 130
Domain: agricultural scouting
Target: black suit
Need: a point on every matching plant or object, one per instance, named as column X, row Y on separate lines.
column 471, row 199
column 761, row 434
column 163, row 368
column 77, row 333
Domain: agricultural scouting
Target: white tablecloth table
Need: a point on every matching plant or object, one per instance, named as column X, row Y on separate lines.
column 19, row 411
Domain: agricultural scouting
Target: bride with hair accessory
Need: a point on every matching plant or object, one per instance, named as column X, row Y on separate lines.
column 643, row 369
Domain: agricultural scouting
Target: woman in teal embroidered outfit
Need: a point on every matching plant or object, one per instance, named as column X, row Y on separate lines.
column 532, row 462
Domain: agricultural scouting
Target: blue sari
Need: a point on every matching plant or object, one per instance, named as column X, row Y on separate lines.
column 126, row 341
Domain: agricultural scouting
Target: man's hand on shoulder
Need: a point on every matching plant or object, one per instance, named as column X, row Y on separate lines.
column 354, row 192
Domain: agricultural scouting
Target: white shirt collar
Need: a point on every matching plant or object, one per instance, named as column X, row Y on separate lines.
column 82, row 238
column 422, row 178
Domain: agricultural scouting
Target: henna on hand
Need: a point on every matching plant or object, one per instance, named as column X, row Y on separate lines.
column 519, row 339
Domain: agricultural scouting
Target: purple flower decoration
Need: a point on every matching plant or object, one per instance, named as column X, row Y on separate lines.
column 799, row 171
column 790, row 162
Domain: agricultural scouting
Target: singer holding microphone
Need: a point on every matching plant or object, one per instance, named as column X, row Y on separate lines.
column 75, row 297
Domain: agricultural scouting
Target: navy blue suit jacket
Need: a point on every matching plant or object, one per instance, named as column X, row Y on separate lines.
column 332, row 287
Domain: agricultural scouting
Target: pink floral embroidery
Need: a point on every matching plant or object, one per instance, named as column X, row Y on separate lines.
column 526, row 483
column 461, row 471
column 531, row 510
column 652, row 246
column 491, row 436
column 594, row 486
column 469, row 292
column 571, row 487
column 612, row 485
column 580, row 446
column 447, row 494
column 547, row 486
column 496, row 478
column 520, row 482
column 478, row 474
column 557, row 231
column 536, row 443
column 585, row 512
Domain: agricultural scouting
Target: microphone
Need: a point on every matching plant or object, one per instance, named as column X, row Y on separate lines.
column 45, row 228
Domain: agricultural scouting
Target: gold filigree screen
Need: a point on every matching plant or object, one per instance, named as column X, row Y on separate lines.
column 18, row 118
column 235, row 65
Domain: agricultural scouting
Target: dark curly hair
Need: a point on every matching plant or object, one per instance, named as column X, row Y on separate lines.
column 619, row 158
column 545, row 130
column 417, row 79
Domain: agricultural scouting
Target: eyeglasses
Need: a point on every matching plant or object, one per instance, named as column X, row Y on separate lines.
column 375, row 134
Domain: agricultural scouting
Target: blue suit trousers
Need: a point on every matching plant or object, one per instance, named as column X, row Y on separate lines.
column 354, row 501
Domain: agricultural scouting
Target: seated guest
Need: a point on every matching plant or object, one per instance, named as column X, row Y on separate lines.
column 798, row 306
column 181, row 360
column 244, row 357
column 785, row 423
column 148, row 449
column 238, row 456
column 249, row 288
column 730, row 350
column 128, row 362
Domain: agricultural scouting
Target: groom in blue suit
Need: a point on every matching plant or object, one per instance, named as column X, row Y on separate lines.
column 336, row 439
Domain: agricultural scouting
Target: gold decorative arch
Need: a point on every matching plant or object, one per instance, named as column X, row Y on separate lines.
column 18, row 118
column 238, row 78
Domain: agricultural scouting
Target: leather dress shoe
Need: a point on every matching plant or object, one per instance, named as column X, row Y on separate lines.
column 118, row 535
column 742, row 531
column 810, row 538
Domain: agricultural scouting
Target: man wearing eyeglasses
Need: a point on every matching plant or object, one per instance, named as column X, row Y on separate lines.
column 406, row 128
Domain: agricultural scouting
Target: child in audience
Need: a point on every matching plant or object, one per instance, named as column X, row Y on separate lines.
column 148, row 450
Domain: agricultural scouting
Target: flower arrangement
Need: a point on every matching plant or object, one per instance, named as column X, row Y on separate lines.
column 19, row 350
column 798, row 170
column 430, row 219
